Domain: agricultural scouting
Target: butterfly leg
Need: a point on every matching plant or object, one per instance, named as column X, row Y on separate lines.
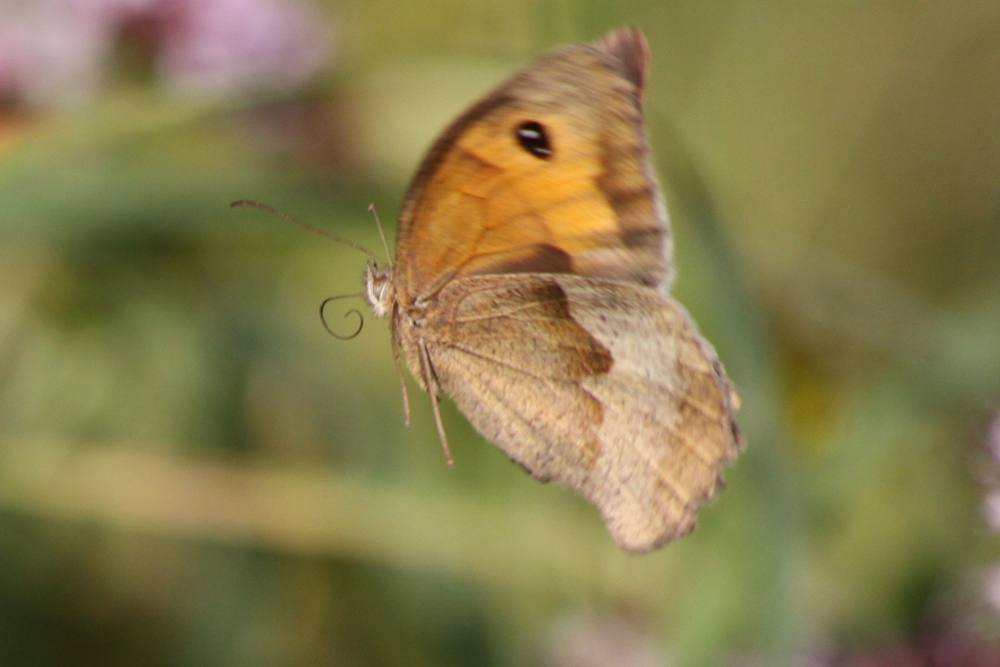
column 432, row 388
column 402, row 380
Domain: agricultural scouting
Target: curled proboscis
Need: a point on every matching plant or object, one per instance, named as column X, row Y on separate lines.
column 354, row 311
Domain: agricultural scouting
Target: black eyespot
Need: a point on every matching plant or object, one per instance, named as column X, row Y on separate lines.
column 534, row 139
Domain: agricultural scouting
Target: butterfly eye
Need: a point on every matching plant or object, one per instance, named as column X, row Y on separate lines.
column 533, row 139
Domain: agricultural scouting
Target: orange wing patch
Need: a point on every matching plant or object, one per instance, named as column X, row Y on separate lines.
column 506, row 201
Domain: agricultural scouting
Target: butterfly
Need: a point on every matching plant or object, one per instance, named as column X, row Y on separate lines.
column 531, row 286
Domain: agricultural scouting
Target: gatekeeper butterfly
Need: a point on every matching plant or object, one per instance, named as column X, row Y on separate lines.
column 531, row 285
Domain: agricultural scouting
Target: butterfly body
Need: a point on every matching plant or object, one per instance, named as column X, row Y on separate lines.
column 531, row 286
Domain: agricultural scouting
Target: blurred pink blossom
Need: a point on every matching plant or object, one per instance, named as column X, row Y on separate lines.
column 932, row 646
column 991, row 508
column 991, row 501
column 601, row 639
column 242, row 44
column 991, row 587
column 55, row 52
column 993, row 439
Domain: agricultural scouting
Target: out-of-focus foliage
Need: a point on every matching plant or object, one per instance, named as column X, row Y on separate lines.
column 192, row 472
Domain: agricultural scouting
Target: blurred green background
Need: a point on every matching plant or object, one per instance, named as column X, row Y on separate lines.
column 192, row 472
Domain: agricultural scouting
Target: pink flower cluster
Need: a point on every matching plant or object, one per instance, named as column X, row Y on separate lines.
column 991, row 507
column 55, row 52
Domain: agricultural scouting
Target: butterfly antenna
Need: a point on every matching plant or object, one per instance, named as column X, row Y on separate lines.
column 322, row 232
column 354, row 311
column 381, row 232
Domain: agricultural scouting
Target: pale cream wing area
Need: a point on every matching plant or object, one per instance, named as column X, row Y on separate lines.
column 632, row 410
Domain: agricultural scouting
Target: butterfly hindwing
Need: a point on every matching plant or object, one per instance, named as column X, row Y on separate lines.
column 631, row 410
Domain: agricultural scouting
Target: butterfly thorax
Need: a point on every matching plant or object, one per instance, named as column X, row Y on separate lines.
column 379, row 289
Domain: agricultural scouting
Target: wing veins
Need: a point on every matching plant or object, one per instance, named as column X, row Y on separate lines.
column 507, row 313
column 672, row 485
column 500, row 362
column 700, row 407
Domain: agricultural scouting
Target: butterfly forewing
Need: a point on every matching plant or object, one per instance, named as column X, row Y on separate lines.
column 484, row 202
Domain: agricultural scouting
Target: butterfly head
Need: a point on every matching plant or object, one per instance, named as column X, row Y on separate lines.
column 379, row 290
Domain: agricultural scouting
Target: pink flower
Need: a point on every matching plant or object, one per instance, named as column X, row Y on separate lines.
column 239, row 45
column 991, row 587
column 55, row 52
column 993, row 438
